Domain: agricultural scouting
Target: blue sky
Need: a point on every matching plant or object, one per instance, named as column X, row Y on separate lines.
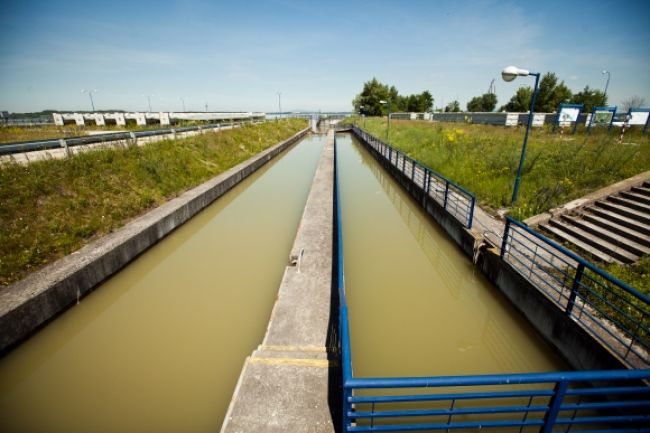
column 236, row 55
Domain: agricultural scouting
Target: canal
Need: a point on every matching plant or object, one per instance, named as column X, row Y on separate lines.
column 417, row 305
column 159, row 346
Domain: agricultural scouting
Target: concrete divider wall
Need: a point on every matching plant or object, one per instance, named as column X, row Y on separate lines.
column 32, row 302
column 578, row 348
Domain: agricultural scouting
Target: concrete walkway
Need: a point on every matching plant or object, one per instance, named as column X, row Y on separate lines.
column 285, row 384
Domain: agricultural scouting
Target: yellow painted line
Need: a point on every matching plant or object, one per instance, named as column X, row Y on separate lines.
column 319, row 349
column 318, row 363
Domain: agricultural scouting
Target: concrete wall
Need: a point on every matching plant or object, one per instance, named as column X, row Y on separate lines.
column 33, row 302
column 578, row 348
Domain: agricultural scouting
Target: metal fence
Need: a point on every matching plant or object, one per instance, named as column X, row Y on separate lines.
column 610, row 310
column 29, row 146
column 612, row 401
column 452, row 197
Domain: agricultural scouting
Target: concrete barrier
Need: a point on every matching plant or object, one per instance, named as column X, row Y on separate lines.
column 286, row 385
column 577, row 347
column 32, row 302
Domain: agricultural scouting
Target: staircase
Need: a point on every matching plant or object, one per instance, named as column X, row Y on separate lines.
column 614, row 229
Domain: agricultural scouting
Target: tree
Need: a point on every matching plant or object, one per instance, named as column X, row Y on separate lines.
column 374, row 91
column 551, row 94
column 632, row 102
column 452, row 107
column 483, row 103
column 475, row 104
column 520, row 102
column 590, row 98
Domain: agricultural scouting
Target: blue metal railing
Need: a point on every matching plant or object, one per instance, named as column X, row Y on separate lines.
column 605, row 401
column 610, row 310
column 451, row 196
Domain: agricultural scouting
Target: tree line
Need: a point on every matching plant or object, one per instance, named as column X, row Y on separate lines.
column 368, row 102
column 550, row 94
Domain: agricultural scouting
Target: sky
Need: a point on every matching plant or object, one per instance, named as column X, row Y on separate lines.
column 237, row 55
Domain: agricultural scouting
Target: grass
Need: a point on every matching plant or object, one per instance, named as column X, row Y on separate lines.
column 53, row 207
column 484, row 159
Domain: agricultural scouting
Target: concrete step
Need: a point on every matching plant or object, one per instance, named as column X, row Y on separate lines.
column 625, row 211
column 608, row 236
column 563, row 236
column 621, row 230
column 640, row 207
column 636, row 197
column 608, row 248
column 619, row 219
column 641, row 190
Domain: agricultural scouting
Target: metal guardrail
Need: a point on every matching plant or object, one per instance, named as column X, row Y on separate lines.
column 451, row 196
column 610, row 310
column 57, row 143
column 612, row 401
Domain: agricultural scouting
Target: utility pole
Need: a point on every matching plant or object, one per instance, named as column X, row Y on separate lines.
column 279, row 104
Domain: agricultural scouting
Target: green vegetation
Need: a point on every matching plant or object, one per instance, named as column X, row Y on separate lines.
column 484, row 159
column 367, row 102
column 51, row 208
column 484, row 103
column 549, row 96
column 636, row 275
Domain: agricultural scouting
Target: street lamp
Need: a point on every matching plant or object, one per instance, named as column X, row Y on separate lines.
column 148, row 97
column 279, row 104
column 183, row 101
column 388, row 127
column 607, row 83
column 90, row 94
column 509, row 74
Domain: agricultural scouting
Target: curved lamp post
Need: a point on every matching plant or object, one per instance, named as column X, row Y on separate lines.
column 607, row 83
column 510, row 73
column 388, row 127
column 148, row 98
column 90, row 94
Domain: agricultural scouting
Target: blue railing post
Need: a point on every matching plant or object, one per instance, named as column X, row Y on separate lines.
column 506, row 232
column 471, row 212
column 446, row 193
column 574, row 289
column 554, row 406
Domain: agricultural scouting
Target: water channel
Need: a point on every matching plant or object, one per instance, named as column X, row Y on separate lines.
column 417, row 305
column 159, row 347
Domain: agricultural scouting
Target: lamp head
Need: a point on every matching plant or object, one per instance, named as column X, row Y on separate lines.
column 381, row 101
column 509, row 73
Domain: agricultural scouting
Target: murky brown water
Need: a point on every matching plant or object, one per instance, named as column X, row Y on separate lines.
column 159, row 347
column 417, row 306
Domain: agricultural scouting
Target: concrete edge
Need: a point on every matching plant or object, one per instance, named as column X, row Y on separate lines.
column 231, row 406
column 588, row 199
column 574, row 344
column 27, row 305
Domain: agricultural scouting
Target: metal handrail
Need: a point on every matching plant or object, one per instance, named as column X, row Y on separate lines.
column 451, row 189
column 55, row 143
column 610, row 310
column 574, row 256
